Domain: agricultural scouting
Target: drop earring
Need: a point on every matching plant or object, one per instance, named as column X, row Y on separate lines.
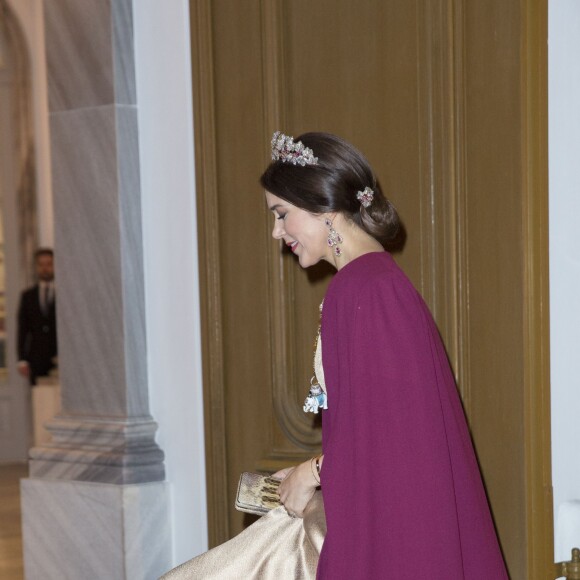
column 334, row 238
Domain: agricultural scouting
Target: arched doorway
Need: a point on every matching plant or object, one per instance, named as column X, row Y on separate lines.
column 17, row 229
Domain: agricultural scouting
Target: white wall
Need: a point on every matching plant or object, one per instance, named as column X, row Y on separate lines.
column 564, row 155
column 164, row 98
column 30, row 16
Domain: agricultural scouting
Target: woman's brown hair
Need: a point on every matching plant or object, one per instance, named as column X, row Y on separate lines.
column 332, row 184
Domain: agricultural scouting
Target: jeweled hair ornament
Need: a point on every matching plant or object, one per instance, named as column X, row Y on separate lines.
column 365, row 197
column 286, row 150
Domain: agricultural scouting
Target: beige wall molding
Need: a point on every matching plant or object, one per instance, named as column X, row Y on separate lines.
column 536, row 330
column 209, row 258
column 287, row 384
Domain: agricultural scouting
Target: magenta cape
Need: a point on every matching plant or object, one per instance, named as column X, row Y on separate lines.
column 402, row 491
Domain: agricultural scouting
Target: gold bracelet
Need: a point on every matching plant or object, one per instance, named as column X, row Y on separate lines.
column 317, row 480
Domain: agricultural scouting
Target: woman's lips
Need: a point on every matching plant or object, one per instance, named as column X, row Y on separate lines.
column 292, row 246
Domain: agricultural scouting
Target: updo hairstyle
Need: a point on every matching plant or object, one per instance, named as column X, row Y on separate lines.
column 331, row 185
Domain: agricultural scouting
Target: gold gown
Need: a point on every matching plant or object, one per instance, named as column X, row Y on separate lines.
column 276, row 547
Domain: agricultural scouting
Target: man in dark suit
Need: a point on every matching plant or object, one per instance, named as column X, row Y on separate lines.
column 37, row 321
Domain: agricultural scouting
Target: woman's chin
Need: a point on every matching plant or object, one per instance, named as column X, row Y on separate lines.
column 304, row 261
column 307, row 262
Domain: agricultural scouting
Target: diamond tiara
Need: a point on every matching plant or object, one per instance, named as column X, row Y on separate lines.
column 286, row 150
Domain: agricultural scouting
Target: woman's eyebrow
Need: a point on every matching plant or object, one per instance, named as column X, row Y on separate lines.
column 275, row 206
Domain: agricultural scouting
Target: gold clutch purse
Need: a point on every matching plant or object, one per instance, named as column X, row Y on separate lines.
column 257, row 494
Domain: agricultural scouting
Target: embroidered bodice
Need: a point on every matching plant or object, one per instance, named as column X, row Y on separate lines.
column 318, row 368
column 317, row 396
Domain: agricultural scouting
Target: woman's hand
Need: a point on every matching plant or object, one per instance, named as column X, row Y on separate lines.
column 297, row 487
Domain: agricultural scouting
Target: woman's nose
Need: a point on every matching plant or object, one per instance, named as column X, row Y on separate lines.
column 278, row 229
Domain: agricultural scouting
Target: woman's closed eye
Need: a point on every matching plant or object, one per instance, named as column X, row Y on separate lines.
column 281, row 216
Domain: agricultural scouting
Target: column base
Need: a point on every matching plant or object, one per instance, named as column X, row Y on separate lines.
column 77, row 529
column 107, row 450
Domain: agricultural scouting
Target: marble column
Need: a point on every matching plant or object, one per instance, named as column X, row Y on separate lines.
column 98, row 486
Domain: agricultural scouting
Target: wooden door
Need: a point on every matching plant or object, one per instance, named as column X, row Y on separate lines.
column 445, row 99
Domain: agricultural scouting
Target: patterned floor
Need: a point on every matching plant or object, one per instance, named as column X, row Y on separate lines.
column 11, row 567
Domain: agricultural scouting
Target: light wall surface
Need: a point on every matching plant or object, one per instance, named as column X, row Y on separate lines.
column 164, row 104
column 564, row 167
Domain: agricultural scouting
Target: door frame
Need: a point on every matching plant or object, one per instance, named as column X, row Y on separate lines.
column 537, row 423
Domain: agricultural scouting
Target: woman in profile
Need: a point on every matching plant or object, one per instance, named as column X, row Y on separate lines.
column 399, row 478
